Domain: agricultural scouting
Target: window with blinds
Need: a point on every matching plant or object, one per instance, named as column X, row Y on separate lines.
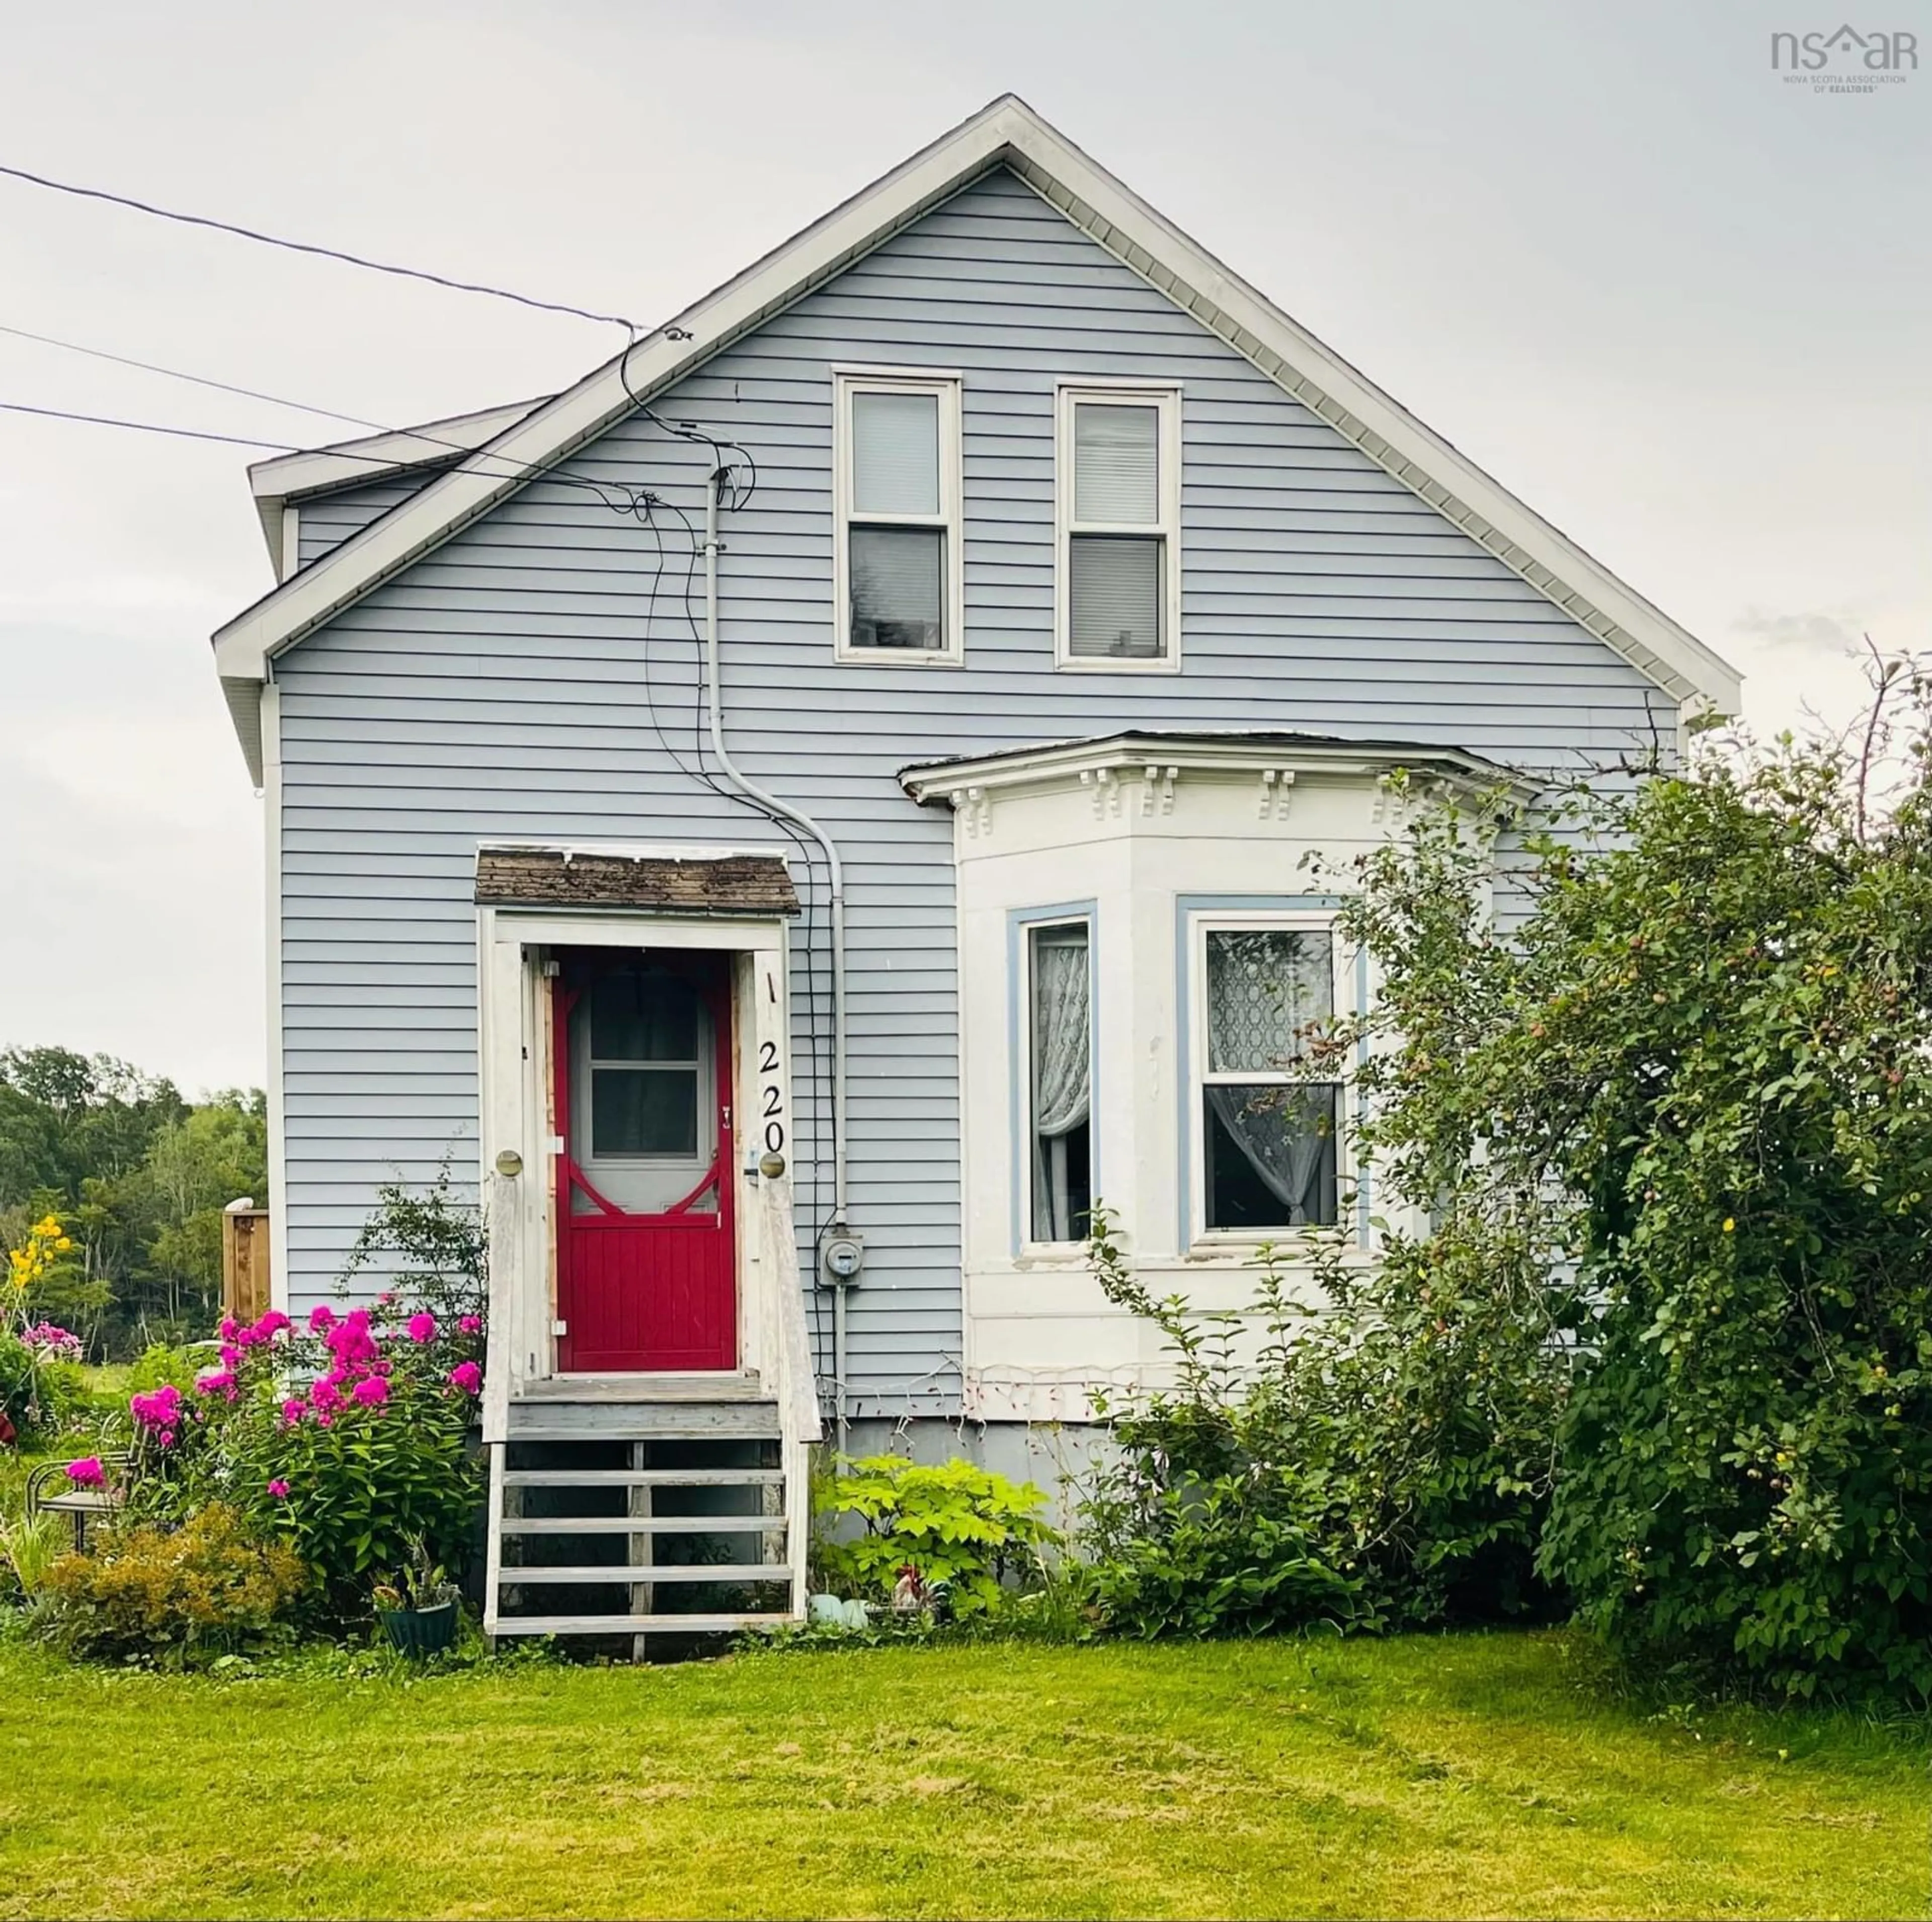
column 897, row 461
column 1119, row 514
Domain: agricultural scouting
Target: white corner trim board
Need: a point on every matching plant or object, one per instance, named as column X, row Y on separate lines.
column 1005, row 133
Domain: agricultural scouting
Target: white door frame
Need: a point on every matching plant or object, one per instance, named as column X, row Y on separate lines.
column 516, row 1129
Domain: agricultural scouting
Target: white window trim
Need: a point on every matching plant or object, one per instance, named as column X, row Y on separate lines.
column 1200, row 1236
column 846, row 382
column 1027, row 923
column 1166, row 397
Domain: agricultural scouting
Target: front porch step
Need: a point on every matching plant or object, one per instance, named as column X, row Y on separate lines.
column 642, row 1478
column 643, row 1421
column 726, row 1624
column 740, row 1385
column 631, row 1575
column 639, row 1525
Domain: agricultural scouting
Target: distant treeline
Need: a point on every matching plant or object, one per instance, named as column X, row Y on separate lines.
column 139, row 1177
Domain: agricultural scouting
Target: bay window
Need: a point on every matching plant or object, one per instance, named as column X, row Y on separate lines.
column 1117, row 454
column 897, row 578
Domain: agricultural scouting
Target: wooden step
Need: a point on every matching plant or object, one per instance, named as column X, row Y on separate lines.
column 642, row 1524
column 633, row 1624
column 626, row 1574
column 726, row 1385
column 643, row 1421
column 641, row 1478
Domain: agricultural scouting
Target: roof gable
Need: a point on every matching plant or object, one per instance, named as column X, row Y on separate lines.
column 1007, row 133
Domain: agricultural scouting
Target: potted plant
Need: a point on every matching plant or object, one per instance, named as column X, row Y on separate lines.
column 417, row 1607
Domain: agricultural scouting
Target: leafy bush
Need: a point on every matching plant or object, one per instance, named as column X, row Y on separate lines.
column 212, row 1585
column 1668, row 1148
column 39, row 1395
column 158, row 1366
column 27, row 1550
column 347, row 1439
column 1347, row 1467
column 955, row 1525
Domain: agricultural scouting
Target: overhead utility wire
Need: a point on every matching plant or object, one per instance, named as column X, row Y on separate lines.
column 197, row 379
column 323, row 253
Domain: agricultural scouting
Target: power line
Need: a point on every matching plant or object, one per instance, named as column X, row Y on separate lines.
column 323, row 253
column 151, row 427
column 197, row 379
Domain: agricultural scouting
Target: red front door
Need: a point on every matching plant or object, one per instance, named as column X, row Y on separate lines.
column 645, row 1246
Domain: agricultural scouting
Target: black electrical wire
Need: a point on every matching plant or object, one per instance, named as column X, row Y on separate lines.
column 323, row 253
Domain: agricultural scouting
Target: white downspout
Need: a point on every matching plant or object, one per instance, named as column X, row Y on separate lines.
column 715, row 693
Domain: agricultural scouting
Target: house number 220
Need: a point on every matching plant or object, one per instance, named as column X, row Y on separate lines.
column 771, row 1097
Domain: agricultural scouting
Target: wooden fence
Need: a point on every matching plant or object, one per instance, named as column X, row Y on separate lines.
column 245, row 1260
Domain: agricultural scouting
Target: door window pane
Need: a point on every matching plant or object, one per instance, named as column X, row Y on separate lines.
column 644, row 1111
column 896, row 453
column 638, row 1016
column 1116, row 463
column 898, row 576
column 1062, row 1090
column 1116, row 585
column 1270, row 1155
column 1269, row 992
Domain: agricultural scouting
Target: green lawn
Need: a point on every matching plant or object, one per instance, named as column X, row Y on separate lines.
column 1471, row 1775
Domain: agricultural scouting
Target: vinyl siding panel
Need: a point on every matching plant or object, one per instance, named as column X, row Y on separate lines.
column 536, row 676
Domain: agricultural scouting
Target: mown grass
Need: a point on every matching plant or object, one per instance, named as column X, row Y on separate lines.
column 1471, row 1775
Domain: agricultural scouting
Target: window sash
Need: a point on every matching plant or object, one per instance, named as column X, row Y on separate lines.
column 864, row 481
column 1337, row 1083
column 1118, row 479
column 1065, row 1082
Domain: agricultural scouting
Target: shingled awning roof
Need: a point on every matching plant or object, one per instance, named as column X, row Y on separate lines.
column 659, row 884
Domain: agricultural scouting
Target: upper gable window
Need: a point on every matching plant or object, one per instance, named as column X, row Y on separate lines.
column 897, row 573
column 1118, row 572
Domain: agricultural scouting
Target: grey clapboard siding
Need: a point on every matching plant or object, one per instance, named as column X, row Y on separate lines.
column 324, row 521
column 536, row 676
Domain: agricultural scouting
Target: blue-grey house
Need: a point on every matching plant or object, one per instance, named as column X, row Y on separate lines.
column 803, row 812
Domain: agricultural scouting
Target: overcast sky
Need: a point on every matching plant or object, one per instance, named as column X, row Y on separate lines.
column 1679, row 305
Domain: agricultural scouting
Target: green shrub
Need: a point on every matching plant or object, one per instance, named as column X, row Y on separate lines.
column 37, row 1395
column 212, row 1586
column 157, row 1364
column 27, row 1550
column 1367, row 1465
column 955, row 1525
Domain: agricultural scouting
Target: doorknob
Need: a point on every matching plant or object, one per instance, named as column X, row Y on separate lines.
column 509, row 1163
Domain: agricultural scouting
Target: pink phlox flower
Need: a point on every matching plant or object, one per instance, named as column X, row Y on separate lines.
column 230, row 1328
column 56, row 1343
column 372, row 1392
column 326, row 1395
column 167, row 1437
column 271, row 1325
column 87, row 1472
column 466, row 1376
column 160, row 1408
column 320, row 1317
column 471, row 1324
column 279, row 1489
column 324, row 1420
column 422, row 1326
column 218, row 1381
column 293, row 1411
column 230, row 1355
column 387, row 1298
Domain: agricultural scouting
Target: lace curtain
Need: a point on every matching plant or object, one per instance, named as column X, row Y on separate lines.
column 1281, row 1133
column 1062, row 1059
column 1265, row 987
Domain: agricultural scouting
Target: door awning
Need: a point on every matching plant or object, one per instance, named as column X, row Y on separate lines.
column 726, row 884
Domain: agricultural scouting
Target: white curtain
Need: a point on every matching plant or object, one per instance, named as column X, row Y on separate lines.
column 1281, row 1133
column 1266, row 987
column 1062, row 1081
